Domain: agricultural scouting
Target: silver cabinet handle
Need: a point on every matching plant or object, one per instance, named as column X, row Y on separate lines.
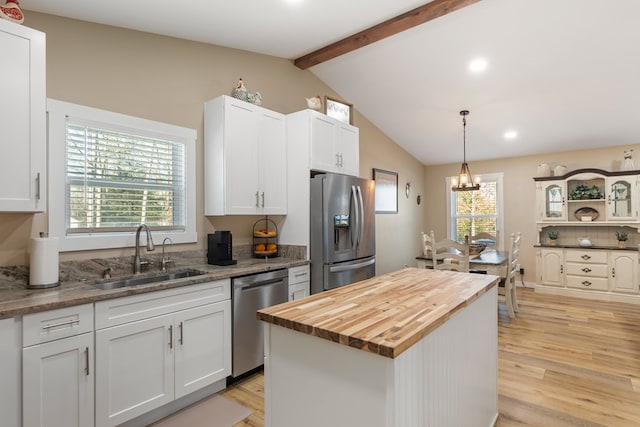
column 257, row 204
column 586, row 283
column 263, row 199
column 86, row 361
column 181, row 326
column 38, row 186
column 586, row 270
column 337, row 159
column 613, row 272
column 57, row 325
column 585, row 256
column 561, row 269
column 171, row 336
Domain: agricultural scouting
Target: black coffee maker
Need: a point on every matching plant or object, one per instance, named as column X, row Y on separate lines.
column 219, row 249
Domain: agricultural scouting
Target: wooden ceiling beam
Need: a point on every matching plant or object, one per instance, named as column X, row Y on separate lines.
column 417, row 16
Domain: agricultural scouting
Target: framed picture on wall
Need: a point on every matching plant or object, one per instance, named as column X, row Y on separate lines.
column 386, row 191
column 338, row 110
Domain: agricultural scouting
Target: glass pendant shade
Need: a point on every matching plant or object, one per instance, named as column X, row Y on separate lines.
column 465, row 180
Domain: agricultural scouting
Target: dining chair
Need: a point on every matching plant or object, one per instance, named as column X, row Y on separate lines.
column 450, row 255
column 427, row 244
column 509, row 289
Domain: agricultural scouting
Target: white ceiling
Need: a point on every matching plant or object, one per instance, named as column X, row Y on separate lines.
column 564, row 74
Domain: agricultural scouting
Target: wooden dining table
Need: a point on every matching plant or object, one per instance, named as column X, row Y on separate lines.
column 489, row 261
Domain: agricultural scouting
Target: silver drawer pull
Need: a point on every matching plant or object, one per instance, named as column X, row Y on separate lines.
column 585, row 256
column 86, row 361
column 57, row 325
column 300, row 274
column 586, row 283
column 586, row 270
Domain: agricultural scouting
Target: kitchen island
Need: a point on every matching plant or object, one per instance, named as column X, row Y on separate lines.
column 412, row 348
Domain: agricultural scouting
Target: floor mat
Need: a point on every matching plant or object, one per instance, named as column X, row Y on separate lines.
column 215, row 411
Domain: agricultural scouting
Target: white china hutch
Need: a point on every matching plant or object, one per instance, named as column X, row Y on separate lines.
column 579, row 217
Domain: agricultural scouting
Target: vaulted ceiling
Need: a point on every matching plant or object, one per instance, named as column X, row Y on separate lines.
column 563, row 75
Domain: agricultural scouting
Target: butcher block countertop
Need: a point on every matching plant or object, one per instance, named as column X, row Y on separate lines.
column 384, row 315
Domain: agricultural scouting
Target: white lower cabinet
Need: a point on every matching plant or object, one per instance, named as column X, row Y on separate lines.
column 624, row 272
column 58, row 368
column 551, row 267
column 146, row 363
column 590, row 273
column 10, row 371
column 58, row 383
column 299, row 282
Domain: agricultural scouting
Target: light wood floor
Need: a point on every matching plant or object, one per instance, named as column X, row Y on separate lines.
column 562, row 362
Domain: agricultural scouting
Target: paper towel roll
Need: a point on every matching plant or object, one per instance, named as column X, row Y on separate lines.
column 43, row 262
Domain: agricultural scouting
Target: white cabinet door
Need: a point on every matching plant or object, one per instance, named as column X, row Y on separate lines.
column 551, row 200
column 22, row 119
column 621, row 194
column 245, row 159
column 324, row 150
column 134, row 369
column 272, row 163
column 299, row 290
column 349, row 149
column 624, row 271
column 552, row 269
column 203, row 346
column 241, row 165
column 58, row 383
column 10, row 371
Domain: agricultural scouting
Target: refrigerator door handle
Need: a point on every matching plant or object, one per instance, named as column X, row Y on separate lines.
column 356, row 206
column 361, row 217
column 340, row 268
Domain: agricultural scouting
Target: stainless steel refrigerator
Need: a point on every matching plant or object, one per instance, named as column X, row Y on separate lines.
column 342, row 241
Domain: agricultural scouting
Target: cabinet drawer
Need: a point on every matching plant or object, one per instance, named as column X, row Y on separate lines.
column 587, row 269
column 55, row 324
column 586, row 256
column 299, row 274
column 137, row 307
column 595, row 283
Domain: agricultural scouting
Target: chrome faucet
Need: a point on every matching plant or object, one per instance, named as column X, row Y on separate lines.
column 137, row 264
column 168, row 259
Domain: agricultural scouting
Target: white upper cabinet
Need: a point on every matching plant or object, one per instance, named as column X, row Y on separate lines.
column 334, row 145
column 22, row 119
column 245, row 159
column 589, row 196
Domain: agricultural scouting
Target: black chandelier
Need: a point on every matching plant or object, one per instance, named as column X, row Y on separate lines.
column 465, row 181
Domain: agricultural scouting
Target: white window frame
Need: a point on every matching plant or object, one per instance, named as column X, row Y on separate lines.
column 498, row 178
column 58, row 111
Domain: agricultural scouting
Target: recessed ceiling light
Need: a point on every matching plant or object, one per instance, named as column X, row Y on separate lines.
column 510, row 134
column 478, row 65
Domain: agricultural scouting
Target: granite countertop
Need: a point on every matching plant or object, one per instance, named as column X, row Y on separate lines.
column 77, row 285
column 386, row 314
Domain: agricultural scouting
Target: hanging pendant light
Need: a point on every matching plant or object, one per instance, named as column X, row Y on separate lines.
column 465, row 180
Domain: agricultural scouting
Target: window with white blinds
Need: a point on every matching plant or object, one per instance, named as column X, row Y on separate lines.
column 474, row 212
column 117, row 180
column 111, row 172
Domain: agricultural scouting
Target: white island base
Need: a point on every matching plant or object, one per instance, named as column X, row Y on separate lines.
column 448, row 378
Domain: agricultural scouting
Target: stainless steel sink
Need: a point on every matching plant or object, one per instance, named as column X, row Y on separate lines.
column 137, row 281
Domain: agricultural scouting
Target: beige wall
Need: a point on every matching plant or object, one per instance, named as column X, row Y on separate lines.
column 519, row 190
column 168, row 80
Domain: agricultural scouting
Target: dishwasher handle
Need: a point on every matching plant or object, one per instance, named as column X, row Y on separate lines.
column 261, row 283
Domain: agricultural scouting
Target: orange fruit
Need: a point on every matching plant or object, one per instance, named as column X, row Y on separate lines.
column 260, row 247
column 272, row 247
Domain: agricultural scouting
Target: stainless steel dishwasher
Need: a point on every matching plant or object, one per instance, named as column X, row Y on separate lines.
column 250, row 294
